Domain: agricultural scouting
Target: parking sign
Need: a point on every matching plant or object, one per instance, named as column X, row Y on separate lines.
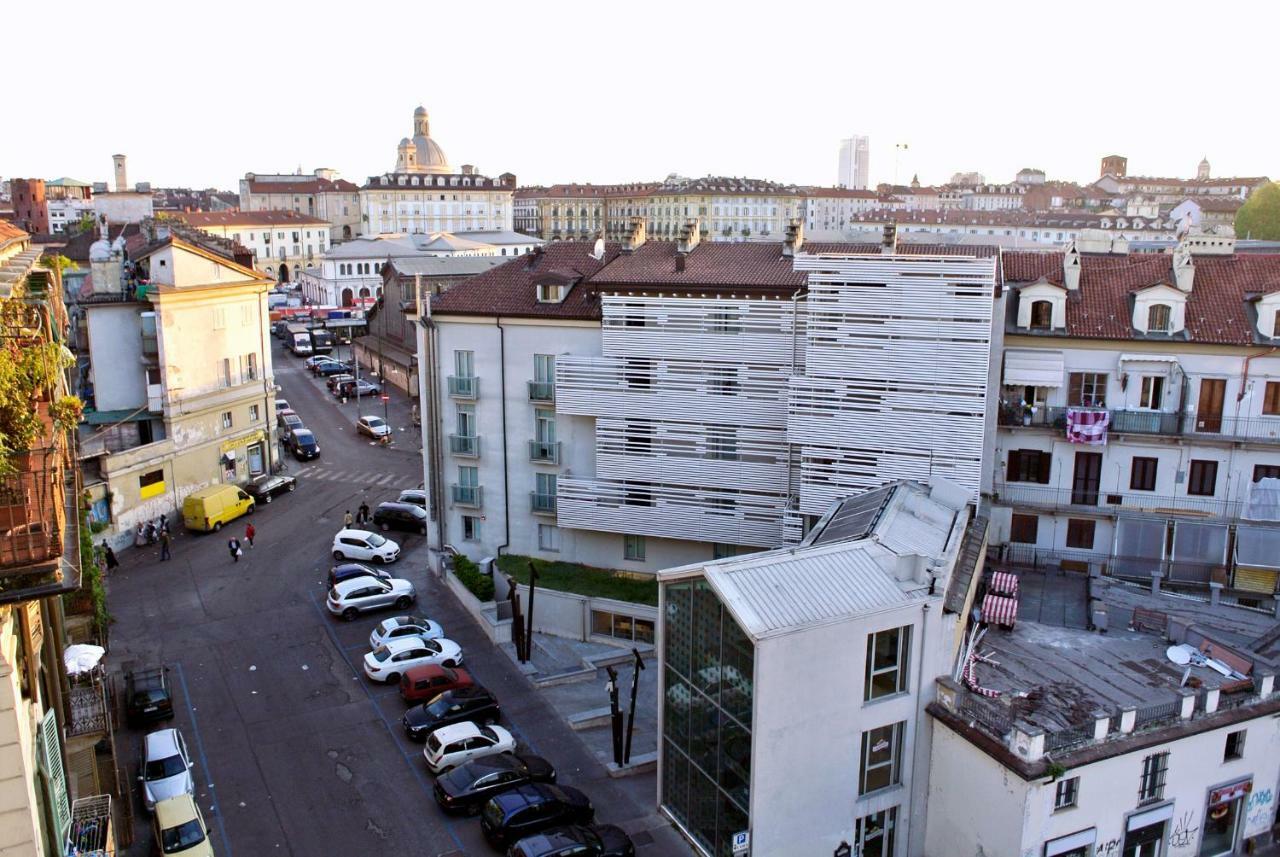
column 741, row 842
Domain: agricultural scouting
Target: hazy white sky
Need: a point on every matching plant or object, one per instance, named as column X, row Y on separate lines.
column 197, row 94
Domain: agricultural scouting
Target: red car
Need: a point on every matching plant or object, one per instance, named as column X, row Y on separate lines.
column 426, row 682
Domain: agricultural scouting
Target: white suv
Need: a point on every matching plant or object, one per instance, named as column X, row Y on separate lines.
column 352, row 596
column 450, row 746
column 362, row 544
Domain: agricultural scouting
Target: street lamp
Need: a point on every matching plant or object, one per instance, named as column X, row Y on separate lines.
column 844, row 849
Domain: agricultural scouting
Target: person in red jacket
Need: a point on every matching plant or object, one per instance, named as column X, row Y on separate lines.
column 249, row 533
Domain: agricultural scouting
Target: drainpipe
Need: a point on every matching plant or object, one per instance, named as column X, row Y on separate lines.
column 433, row 421
column 502, row 388
column 920, row 715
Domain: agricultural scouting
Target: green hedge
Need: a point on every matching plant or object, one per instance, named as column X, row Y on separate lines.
column 582, row 579
column 468, row 573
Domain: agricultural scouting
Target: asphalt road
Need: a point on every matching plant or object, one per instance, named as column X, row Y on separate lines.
column 296, row 752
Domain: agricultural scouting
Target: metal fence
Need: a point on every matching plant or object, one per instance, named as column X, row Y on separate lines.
column 1072, row 736
column 991, row 716
column 1155, row 714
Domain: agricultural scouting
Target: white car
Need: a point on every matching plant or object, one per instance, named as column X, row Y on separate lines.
column 165, row 767
column 404, row 626
column 450, row 746
column 352, row 596
column 375, row 427
column 362, row 544
column 387, row 662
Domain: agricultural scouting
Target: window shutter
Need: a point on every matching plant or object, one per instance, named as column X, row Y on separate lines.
column 1046, row 465
column 54, row 774
column 1013, row 470
column 1075, row 390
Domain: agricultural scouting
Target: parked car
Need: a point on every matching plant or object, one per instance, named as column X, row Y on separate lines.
column 180, row 829
column 532, row 808
column 420, row 684
column 289, row 423
column 148, row 697
column 302, row 443
column 375, row 427
column 352, row 387
column 348, row 570
column 333, row 381
column 333, row 367
column 474, row 704
column 209, row 508
column 350, row 597
column 578, row 840
column 450, row 746
column 403, row 626
column 283, row 414
column 165, row 767
column 401, row 516
column 362, row 544
column 386, row 663
column 466, row 788
column 312, row 362
column 282, row 405
column 263, row 488
column 416, row 496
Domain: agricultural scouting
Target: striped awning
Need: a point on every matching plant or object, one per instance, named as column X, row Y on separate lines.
column 1024, row 367
column 999, row 610
column 1004, row 583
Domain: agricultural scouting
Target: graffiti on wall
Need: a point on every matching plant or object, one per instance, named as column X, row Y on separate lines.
column 1184, row 833
column 1259, row 811
column 1110, row 848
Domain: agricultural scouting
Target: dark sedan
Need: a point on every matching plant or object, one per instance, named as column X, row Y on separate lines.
column 474, row 704
column 148, row 697
column 302, row 443
column 348, row 570
column 465, row 789
column 401, row 516
column 332, row 368
column 263, row 488
column 578, row 840
column 532, row 808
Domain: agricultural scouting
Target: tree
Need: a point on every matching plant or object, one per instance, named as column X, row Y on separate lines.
column 1259, row 218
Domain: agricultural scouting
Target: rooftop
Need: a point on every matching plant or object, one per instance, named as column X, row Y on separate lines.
column 204, row 219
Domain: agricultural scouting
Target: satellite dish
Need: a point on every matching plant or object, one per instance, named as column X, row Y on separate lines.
column 1178, row 654
column 597, row 252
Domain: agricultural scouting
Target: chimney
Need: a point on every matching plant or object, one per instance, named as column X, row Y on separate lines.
column 1071, row 267
column 122, row 179
column 1184, row 269
column 680, row 262
column 889, row 239
column 690, row 235
column 795, row 239
column 636, row 236
column 468, row 169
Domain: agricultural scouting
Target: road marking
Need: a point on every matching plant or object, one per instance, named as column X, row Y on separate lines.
column 204, row 761
column 387, row 480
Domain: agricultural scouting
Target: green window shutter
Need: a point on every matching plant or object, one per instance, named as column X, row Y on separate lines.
column 55, row 776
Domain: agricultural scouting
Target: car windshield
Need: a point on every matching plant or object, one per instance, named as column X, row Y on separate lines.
column 149, row 697
column 381, row 653
column 438, row 706
column 162, row 769
column 376, row 540
column 433, row 742
column 490, row 734
column 376, row 422
column 182, row 837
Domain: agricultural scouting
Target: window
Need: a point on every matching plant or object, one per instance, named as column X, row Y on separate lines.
column 1154, row 769
column 881, row 765
column 1080, row 533
column 1203, row 478
column 226, row 419
column 722, row 321
column 719, row 550
column 722, row 443
column 874, row 834
column 548, row 537
column 550, row 293
column 1029, row 465
column 1235, row 746
column 1271, row 397
column 254, row 413
column 1087, row 390
column 1266, row 471
column 1024, row 528
column 464, row 364
column 544, row 425
column 466, row 420
column 1158, row 318
column 1067, row 794
column 470, row 528
column 633, row 548
column 1041, row 315
column 620, row 626
column 226, row 371
column 888, row 653
column 1152, row 395
column 722, row 381
column 544, row 485
column 544, row 368
column 1143, row 475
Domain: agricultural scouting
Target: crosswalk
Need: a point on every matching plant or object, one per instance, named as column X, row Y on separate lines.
column 355, row 477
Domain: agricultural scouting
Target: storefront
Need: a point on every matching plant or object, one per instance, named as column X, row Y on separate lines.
column 1223, row 816
column 244, row 457
column 1146, row 833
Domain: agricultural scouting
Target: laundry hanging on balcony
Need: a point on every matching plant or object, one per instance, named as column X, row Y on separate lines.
column 1087, row 426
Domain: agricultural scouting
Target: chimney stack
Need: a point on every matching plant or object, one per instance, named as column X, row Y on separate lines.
column 1071, row 267
column 1184, row 269
column 690, row 235
column 889, row 240
column 795, row 239
column 122, row 178
column 635, row 237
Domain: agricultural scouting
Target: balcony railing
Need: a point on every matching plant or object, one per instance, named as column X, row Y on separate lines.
column 463, row 386
column 545, row 452
column 1263, row 429
column 542, row 504
column 464, row 444
column 467, row 495
column 542, row 391
column 34, row 509
column 87, row 710
column 1032, row 495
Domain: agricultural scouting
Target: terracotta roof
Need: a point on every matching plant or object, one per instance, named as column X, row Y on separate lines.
column 312, row 185
column 749, row 264
column 510, row 289
column 77, row 247
column 726, row 186
column 842, row 192
column 1226, row 205
column 1217, row 311
column 9, row 232
column 272, row 217
column 1013, row 217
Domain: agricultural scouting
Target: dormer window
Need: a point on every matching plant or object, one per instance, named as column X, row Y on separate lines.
column 1041, row 315
column 1159, row 318
column 551, row 293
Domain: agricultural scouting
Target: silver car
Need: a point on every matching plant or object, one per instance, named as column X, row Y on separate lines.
column 165, row 769
column 351, row 597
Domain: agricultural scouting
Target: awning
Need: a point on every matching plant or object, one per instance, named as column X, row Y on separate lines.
column 1227, row 794
column 1004, row 583
column 1148, row 358
column 1026, row 368
column 998, row 610
column 1067, row 844
column 1146, row 819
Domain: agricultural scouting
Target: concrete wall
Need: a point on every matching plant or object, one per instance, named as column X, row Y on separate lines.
column 115, row 356
column 564, row 614
column 21, row 833
column 975, row 805
column 123, row 207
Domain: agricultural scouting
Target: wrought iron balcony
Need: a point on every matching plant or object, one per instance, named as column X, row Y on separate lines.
column 464, row 386
column 467, row 495
column 542, row 391
column 464, row 444
column 1032, row 495
column 542, row 504
column 87, row 710
column 544, row 452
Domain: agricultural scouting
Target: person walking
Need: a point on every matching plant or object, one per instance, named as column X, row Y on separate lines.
column 346, row 520
column 110, row 555
column 363, row 514
column 234, row 547
column 164, row 545
column 249, row 533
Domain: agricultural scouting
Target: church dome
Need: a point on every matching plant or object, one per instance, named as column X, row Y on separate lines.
column 431, row 157
column 421, row 111
column 422, row 154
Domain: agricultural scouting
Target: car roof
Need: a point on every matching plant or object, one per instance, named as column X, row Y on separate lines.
column 424, row 670
column 402, row 621
column 396, row 504
column 152, row 676
column 162, row 743
column 176, row 810
column 346, row 587
column 304, row 432
column 354, row 533
column 457, row 731
column 399, row 644
column 523, row 795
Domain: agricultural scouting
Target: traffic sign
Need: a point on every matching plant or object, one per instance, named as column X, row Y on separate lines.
column 741, row 842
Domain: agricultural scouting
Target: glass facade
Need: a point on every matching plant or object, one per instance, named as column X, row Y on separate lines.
column 709, row 667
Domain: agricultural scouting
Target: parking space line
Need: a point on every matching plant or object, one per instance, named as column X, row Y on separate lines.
column 204, row 761
column 387, row 480
column 417, row 773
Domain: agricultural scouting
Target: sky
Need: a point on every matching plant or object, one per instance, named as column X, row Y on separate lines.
column 199, row 94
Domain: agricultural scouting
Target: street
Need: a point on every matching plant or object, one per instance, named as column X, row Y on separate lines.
column 295, row 751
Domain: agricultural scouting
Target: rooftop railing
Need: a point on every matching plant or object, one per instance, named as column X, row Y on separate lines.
column 1192, row 424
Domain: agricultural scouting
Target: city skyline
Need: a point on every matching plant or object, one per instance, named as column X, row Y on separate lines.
column 760, row 121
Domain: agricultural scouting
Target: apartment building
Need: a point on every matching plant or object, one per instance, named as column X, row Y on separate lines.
column 727, row 208
column 580, row 212
column 282, row 242
column 1139, row 425
column 322, row 194
column 832, row 209
column 1014, row 229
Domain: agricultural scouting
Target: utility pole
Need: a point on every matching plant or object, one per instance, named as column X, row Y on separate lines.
column 533, row 585
column 631, row 717
column 615, row 715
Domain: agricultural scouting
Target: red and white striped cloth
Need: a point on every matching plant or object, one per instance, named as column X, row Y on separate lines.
column 970, row 679
column 1087, row 426
column 999, row 610
column 1004, row 583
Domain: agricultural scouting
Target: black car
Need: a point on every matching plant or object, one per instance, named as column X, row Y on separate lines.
column 334, row 367
column 578, row 840
column 465, row 788
column 416, row 496
column 302, row 443
column 148, row 697
column 348, row 570
column 464, row 704
column 263, row 488
column 401, row 516
column 532, row 808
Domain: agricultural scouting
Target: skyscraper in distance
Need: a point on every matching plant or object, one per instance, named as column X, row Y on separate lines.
column 855, row 162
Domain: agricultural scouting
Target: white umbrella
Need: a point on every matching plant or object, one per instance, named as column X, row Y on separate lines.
column 82, row 657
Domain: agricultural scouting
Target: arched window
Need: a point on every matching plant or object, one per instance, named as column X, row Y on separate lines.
column 1041, row 315
column 1158, row 320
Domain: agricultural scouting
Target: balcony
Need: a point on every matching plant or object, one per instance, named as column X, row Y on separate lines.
column 544, row 452
column 32, row 529
column 1033, row 496
column 464, row 386
column 466, row 445
column 1189, row 424
column 87, row 710
column 542, row 504
column 542, row 391
column 471, row 496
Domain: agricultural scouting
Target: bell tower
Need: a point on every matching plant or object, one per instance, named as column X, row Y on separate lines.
column 421, row 126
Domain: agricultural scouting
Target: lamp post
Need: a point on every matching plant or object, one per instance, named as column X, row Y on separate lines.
column 844, row 849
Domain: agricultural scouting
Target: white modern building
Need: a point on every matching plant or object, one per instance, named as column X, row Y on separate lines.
column 855, row 163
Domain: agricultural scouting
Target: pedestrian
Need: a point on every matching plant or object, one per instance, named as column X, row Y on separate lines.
column 164, row 545
column 234, row 547
column 249, row 533
column 164, row 523
column 346, row 520
column 112, row 562
column 363, row 516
